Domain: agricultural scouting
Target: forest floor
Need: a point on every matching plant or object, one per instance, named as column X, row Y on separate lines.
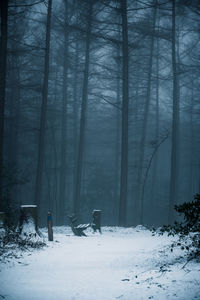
column 122, row 263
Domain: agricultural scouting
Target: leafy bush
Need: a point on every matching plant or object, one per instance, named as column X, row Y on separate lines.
column 12, row 240
column 13, row 237
column 188, row 229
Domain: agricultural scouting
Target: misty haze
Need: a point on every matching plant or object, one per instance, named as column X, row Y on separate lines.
column 99, row 149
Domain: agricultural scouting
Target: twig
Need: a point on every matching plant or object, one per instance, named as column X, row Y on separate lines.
column 187, row 262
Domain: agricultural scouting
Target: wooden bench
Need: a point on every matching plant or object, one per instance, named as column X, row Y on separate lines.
column 77, row 229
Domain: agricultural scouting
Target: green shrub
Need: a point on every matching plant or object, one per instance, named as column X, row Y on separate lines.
column 188, row 229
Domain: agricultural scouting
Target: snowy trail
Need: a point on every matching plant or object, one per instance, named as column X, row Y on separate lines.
column 119, row 264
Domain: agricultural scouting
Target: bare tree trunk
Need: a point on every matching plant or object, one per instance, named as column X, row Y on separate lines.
column 81, row 146
column 144, row 127
column 174, row 176
column 3, row 63
column 191, row 191
column 41, row 144
column 136, row 151
column 157, row 126
column 55, row 175
column 14, row 100
column 63, row 167
column 118, row 124
column 75, row 116
column 150, row 162
column 125, row 106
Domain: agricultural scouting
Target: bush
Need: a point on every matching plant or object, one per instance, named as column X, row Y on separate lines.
column 189, row 229
column 13, row 237
column 11, row 240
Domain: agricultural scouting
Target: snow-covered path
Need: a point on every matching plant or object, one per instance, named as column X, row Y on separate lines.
column 125, row 264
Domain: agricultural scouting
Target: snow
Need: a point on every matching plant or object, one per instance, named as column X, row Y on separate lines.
column 122, row 263
column 29, row 233
column 29, row 206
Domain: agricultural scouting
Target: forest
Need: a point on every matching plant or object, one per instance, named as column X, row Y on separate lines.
column 99, row 108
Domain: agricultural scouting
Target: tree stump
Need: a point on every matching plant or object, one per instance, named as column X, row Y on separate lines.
column 96, row 223
column 28, row 223
column 50, row 226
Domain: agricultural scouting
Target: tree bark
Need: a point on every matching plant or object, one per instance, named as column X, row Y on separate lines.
column 118, row 124
column 157, row 126
column 191, row 190
column 75, row 116
column 41, row 144
column 3, row 64
column 14, row 100
column 81, row 146
column 174, row 175
column 63, row 167
column 144, row 127
column 125, row 106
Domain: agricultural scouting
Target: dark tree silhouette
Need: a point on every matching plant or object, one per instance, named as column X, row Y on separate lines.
column 3, row 63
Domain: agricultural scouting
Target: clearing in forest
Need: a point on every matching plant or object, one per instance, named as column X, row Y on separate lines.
column 122, row 263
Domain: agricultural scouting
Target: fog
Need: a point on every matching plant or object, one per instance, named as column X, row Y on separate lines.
column 99, row 108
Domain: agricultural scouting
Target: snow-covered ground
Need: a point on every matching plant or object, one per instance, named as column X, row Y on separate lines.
column 125, row 264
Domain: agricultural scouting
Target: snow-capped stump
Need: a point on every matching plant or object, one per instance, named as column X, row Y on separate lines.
column 28, row 221
column 29, row 234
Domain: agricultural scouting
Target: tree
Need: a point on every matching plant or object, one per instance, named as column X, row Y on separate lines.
column 41, row 144
column 125, row 106
column 146, row 115
column 174, row 176
column 108, row 106
column 63, row 164
column 79, row 166
column 3, row 64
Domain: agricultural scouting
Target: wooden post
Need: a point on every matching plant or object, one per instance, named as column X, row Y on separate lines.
column 2, row 219
column 96, row 224
column 50, row 228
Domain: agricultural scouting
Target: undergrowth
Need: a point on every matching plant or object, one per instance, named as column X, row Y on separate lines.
column 11, row 240
column 188, row 230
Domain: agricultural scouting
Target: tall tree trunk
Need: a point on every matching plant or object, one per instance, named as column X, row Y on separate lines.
column 116, row 185
column 55, row 158
column 3, row 63
column 144, row 127
column 14, row 101
column 79, row 166
column 174, row 176
column 125, row 106
column 63, row 167
column 53, row 177
column 75, row 114
column 136, row 149
column 157, row 126
column 191, row 190
column 41, row 144
column 12, row 144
